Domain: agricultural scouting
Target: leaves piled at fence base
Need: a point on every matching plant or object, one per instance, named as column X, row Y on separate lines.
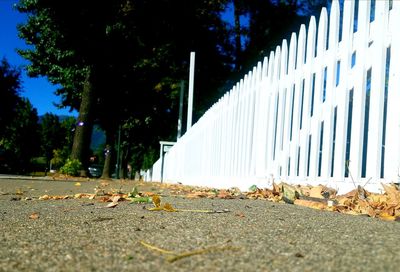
column 385, row 206
column 358, row 201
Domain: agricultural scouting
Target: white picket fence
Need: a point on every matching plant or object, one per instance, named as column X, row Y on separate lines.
column 325, row 110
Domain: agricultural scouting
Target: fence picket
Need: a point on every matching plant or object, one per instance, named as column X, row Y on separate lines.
column 377, row 93
column 392, row 150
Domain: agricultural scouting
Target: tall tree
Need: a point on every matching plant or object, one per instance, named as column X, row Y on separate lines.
column 21, row 146
column 10, row 87
column 68, row 41
column 269, row 22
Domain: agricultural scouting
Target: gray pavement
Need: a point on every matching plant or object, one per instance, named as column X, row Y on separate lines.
column 81, row 235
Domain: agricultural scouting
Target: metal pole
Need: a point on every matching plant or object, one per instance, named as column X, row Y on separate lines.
column 190, row 99
column 180, row 110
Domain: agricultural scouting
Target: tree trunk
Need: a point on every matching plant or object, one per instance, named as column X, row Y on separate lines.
column 124, row 157
column 108, row 155
column 84, row 125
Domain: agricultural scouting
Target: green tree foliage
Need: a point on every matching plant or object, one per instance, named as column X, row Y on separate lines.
column 69, row 45
column 269, row 22
column 52, row 136
column 21, row 137
column 63, row 139
column 10, row 87
column 18, row 122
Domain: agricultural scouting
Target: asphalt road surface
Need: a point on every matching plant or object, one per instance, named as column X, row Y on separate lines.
column 251, row 235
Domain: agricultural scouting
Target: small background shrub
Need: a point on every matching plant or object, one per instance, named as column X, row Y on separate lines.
column 71, row 167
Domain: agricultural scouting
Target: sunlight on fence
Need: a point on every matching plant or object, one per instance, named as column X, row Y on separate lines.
column 323, row 110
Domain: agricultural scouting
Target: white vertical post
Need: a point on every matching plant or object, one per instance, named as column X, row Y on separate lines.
column 190, row 98
column 360, row 72
column 392, row 154
column 377, row 94
column 179, row 134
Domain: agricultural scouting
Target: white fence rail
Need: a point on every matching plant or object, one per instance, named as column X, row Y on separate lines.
column 323, row 110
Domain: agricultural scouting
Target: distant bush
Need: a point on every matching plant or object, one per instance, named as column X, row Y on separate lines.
column 71, row 167
column 59, row 158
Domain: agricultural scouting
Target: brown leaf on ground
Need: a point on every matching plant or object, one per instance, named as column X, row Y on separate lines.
column 115, row 198
column 363, row 207
column 316, row 191
column 54, row 197
column 148, row 194
column 156, row 201
column 44, row 197
column 392, row 192
column 240, row 214
column 311, row 204
column 224, row 194
column 112, row 205
column 197, row 195
column 168, row 207
column 276, row 188
column 34, row 216
column 387, row 217
column 82, row 195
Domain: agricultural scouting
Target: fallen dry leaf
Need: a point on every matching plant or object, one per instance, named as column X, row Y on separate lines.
column 34, row 216
column 392, row 192
column 149, row 194
column 156, row 200
column 44, row 197
column 225, row 194
column 240, row 214
column 78, row 184
column 168, row 207
column 115, row 198
column 112, row 205
column 197, row 195
column 311, row 204
column 316, row 191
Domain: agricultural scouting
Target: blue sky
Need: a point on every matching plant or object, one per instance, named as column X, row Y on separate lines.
column 38, row 90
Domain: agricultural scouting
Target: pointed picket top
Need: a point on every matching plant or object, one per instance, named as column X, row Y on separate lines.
column 364, row 13
column 264, row 73
column 322, row 32
column 348, row 20
column 249, row 81
column 301, row 44
column 284, row 58
column 255, row 78
column 292, row 52
column 311, row 35
column 277, row 63
column 334, row 18
column 233, row 90
column 242, row 84
column 259, row 71
column 271, row 66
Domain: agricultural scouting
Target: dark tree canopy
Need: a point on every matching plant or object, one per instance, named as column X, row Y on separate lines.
column 10, row 88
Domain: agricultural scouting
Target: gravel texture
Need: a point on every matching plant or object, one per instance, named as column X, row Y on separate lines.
column 82, row 235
